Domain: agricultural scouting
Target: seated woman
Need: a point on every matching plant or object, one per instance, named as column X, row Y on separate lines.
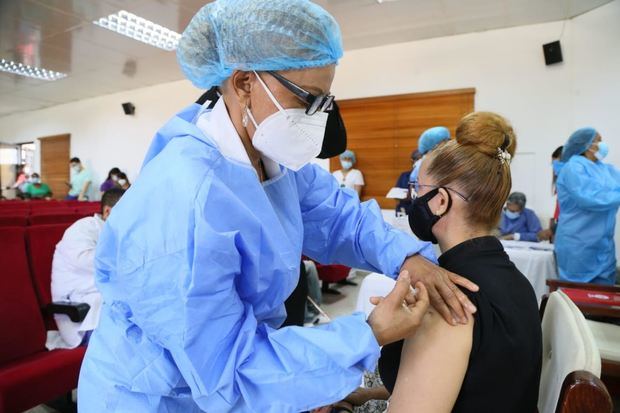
column 349, row 177
column 518, row 222
column 493, row 362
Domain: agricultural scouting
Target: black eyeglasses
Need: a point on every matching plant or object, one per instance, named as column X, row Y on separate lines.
column 314, row 103
column 414, row 188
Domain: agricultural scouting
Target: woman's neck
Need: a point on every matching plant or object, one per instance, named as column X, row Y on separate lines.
column 458, row 234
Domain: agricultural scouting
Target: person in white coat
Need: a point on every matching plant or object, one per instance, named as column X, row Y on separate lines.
column 73, row 275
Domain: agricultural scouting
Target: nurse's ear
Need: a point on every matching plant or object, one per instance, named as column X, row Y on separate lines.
column 241, row 83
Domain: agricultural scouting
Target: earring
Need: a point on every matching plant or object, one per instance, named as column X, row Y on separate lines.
column 244, row 119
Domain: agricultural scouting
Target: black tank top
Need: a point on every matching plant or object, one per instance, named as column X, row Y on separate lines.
column 503, row 373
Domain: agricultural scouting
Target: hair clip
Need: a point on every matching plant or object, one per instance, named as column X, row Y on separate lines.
column 503, row 156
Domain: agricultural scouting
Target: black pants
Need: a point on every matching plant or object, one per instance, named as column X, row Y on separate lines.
column 296, row 303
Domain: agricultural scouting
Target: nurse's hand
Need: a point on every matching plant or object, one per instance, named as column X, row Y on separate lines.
column 399, row 314
column 444, row 294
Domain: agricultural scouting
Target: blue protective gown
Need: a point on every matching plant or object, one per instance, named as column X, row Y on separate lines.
column 589, row 196
column 527, row 225
column 194, row 265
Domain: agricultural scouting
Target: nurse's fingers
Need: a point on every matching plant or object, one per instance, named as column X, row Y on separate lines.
column 400, row 290
column 376, row 300
column 464, row 282
column 448, row 292
column 422, row 300
column 441, row 306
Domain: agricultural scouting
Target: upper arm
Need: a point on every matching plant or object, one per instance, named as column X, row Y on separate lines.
column 432, row 366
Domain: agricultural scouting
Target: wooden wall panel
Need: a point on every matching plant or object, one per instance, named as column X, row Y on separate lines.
column 55, row 157
column 383, row 131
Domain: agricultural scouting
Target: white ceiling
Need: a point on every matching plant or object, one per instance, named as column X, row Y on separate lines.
column 59, row 35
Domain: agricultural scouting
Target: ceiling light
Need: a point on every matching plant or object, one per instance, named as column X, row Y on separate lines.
column 29, row 71
column 140, row 29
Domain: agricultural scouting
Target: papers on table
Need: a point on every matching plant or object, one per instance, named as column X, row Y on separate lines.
column 397, row 193
column 526, row 245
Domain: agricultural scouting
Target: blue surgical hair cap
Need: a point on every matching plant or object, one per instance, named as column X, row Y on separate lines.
column 348, row 154
column 578, row 143
column 432, row 137
column 260, row 35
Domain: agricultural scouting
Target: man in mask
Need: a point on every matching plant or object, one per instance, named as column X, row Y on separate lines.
column 194, row 280
column 589, row 196
column 73, row 274
column 80, row 181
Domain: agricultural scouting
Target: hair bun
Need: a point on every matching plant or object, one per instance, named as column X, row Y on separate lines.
column 488, row 133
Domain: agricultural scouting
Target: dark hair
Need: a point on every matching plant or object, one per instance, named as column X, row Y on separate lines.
column 122, row 175
column 557, row 153
column 75, row 159
column 113, row 171
column 34, row 173
column 111, row 197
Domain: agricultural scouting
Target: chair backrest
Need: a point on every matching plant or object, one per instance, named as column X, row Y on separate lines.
column 21, row 323
column 53, row 210
column 46, row 219
column 14, row 212
column 41, row 241
column 13, row 221
column 568, row 346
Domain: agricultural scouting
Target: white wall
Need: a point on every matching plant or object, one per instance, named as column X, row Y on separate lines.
column 544, row 103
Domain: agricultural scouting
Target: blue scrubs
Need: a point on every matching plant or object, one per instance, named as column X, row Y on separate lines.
column 527, row 225
column 194, row 265
column 589, row 196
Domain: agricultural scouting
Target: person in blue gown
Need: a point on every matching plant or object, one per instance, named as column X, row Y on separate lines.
column 589, row 196
column 194, row 279
column 518, row 222
column 429, row 140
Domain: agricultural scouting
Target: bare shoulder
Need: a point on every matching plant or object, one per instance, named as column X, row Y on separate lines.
column 432, row 366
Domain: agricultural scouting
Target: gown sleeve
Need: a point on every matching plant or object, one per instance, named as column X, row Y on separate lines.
column 588, row 193
column 338, row 229
column 533, row 227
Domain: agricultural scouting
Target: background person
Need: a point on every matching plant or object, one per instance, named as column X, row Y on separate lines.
column 80, row 181
column 111, row 180
column 589, row 195
column 429, row 140
column 349, row 177
column 73, row 274
column 518, row 222
column 37, row 189
column 403, row 182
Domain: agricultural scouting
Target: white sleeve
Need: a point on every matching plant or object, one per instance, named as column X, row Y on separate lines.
column 357, row 178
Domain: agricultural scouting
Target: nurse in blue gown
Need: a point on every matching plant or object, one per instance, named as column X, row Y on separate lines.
column 589, row 196
column 194, row 278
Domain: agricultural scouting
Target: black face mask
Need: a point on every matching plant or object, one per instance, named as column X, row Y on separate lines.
column 422, row 219
column 335, row 139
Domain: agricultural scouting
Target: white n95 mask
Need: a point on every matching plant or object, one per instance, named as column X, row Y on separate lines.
column 289, row 136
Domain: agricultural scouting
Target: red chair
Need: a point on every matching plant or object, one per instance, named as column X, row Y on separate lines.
column 29, row 374
column 47, row 219
column 45, row 210
column 14, row 212
column 13, row 221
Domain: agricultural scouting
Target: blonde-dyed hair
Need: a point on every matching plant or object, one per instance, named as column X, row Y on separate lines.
column 475, row 161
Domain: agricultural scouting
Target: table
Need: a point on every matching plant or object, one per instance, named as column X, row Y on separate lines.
column 535, row 260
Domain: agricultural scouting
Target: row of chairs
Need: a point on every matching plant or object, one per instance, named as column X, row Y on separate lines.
column 29, row 373
column 42, row 219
